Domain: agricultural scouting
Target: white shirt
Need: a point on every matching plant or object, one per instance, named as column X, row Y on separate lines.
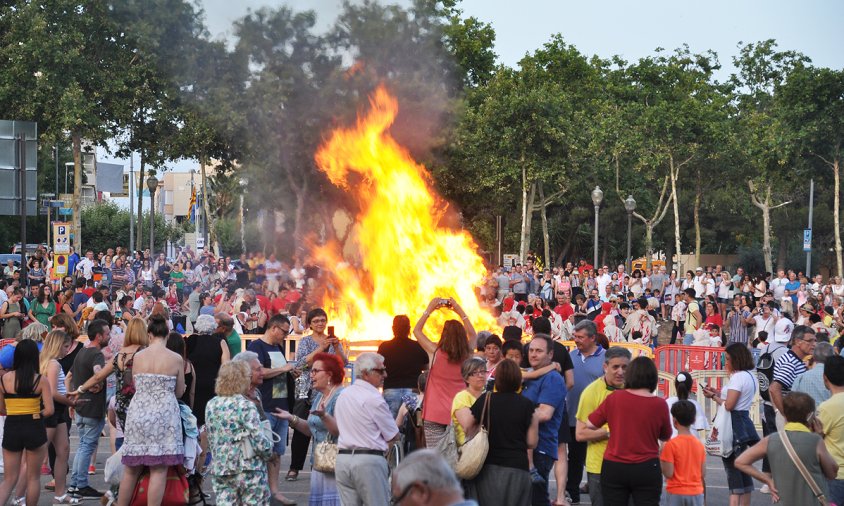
column 603, row 281
column 778, row 287
column 363, row 417
column 86, row 267
column 746, row 384
column 138, row 305
column 699, row 284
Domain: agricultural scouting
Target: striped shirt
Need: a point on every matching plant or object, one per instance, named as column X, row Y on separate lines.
column 738, row 326
column 787, row 368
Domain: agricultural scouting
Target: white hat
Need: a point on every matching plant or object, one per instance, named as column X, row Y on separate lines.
column 782, row 330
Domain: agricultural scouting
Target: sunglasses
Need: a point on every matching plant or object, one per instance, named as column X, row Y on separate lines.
column 381, row 370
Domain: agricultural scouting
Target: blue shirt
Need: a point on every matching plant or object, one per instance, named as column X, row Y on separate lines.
column 551, row 390
column 792, row 287
column 7, row 355
column 586, row 370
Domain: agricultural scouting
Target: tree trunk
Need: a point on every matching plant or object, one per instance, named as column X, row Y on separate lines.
column 649, row 244
column 698, row 192
column 836, row 214
column 766, row 208
column 76, row 138
column 139, row 231
column 674, row 174
column 669, row 258
column 781, row 255
column 545, row 236
column 528, row 196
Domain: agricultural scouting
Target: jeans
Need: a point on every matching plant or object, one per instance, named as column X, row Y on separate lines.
column 594, row 481
column 89, row 433
column 836, row 491
column 539, row 492
column 280, row 428
column 688, row 339
column 393, row 397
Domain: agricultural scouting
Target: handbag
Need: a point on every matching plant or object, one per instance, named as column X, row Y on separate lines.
column 473, row 453
column 802, row 468
column 719, row 442
column 265, row 431
column 175, row 491
column 325, row 455
column 325, row 452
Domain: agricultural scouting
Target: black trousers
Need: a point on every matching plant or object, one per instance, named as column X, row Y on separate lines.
column 769, row 426
column 577, row 459
column 675, row 331
column 300, row 442
column 640, row 482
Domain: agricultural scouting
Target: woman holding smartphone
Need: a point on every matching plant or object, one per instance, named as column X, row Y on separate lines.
column 320, row 340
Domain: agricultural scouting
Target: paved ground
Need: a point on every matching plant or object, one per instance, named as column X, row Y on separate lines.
column 298, row 490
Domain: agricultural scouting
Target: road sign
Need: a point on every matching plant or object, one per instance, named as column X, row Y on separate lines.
column 61, row 238
column 200, row 243
column 807, row 240
column 60, row 266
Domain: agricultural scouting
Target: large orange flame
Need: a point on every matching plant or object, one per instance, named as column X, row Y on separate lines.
column 406, row 257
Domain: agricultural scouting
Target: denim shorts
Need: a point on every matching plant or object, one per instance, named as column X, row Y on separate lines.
column 280, row 427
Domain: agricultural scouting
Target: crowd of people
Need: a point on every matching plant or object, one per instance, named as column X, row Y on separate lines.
column 164, row 368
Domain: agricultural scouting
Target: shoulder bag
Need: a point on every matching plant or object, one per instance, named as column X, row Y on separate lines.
column 325, row 452
column 473, row 453
column 819, row 495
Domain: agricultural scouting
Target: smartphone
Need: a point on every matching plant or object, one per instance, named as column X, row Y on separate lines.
column 445, row 302
column 331, row 331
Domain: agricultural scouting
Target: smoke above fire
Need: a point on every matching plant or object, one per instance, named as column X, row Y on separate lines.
column 399, row 255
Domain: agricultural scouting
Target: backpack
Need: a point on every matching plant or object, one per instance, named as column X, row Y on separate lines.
column 765, row 372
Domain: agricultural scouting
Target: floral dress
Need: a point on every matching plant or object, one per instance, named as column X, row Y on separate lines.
column 153, row 430
column 237, row 478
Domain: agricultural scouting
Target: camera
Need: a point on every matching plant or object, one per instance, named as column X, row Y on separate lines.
column 445, row 302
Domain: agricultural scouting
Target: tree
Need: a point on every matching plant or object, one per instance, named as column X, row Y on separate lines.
column 763, row 142
column 68, row 67
column 812, row 104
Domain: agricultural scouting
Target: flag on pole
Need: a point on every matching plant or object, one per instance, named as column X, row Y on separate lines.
column 192, row 205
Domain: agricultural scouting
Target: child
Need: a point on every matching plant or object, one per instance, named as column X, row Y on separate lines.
column 761, row 339
column 683, row 459
column 683, row 384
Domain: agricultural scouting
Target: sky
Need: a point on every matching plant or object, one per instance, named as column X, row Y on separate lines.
column 632, row 29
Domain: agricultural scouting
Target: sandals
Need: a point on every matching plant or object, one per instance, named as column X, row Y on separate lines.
column 292, row 475
column 65, row 499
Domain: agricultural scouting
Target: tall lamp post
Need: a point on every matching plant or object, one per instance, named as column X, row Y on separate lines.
column 597, row 198
column 630, row 206
column 242, row 216
column 152, row 184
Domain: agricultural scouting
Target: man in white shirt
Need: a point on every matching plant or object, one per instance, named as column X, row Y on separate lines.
column 367, row 428
column 778, row 285
column 86, row 265
column 698, row 283
column 603, row 279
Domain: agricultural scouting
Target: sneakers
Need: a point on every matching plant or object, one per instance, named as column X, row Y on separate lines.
column 536, row 478
column 87, row 493
column 92, row 470
column 765, row 489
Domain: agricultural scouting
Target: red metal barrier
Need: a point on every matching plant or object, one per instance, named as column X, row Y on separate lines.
column 675, row 358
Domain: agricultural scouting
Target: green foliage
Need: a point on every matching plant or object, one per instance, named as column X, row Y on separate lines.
column 107, row 226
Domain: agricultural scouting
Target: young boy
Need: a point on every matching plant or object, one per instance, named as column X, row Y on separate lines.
column 683, row 459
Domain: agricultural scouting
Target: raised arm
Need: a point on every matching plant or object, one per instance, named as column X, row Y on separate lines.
column 470, row 329
column 427, row 345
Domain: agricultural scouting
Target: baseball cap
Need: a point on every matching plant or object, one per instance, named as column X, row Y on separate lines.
column 782, row 330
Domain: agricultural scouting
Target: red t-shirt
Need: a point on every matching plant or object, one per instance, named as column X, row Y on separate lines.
column 564, row 310
column 635, row 422
column 278, row 305
column 263, row 302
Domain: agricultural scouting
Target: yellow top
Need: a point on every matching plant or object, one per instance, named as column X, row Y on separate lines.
column 831, row 414
column 592, row 397
column 464, row 399
column 23, row 405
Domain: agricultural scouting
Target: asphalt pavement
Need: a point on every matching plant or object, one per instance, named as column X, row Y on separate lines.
column 716, row 482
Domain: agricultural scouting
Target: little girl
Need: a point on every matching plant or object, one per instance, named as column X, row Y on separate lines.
column 683, row 384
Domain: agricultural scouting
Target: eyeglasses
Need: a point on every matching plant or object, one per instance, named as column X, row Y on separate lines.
column 317, row 370
column 812, row 340
column 380, row 370
column 404, row 493
column 479, row 372
column 319, row 320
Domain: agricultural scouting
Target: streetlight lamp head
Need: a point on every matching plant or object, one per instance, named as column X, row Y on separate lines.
column 630, row 204
column 152, row 184
column 597, row 196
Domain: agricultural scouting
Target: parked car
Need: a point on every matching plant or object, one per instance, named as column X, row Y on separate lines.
column 30, row 248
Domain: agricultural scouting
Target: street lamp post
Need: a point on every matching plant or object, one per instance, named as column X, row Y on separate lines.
column 242, row 216
column 597, row 198
column 630, row 206
column 152, row 184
